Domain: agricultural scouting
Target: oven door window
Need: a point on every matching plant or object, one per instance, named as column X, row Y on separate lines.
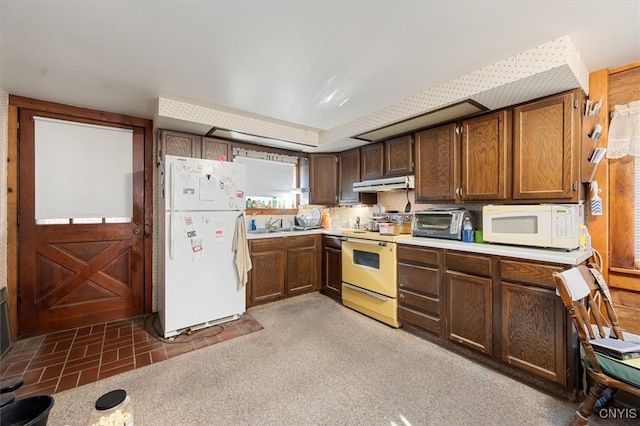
column 366, row 258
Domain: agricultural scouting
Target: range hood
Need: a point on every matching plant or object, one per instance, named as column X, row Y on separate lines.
column 386, row 184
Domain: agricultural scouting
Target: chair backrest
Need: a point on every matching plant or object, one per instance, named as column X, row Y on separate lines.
column 586, row 296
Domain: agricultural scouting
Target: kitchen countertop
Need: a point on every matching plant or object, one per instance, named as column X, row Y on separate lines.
column 252, row 235
column 573, row 258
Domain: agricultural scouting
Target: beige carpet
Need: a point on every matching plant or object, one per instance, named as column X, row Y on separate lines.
column 317, row 362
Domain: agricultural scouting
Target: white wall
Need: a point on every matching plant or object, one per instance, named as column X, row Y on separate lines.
column 4, row 142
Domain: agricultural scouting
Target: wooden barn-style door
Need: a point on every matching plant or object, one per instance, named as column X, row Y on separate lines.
column 82, row 222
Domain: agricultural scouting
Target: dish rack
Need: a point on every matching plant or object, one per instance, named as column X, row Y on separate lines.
column 312, row 220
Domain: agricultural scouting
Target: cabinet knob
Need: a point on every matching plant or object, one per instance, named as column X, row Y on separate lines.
column 401, row 296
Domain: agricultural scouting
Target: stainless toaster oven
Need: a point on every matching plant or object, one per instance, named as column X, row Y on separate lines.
column 439, row 223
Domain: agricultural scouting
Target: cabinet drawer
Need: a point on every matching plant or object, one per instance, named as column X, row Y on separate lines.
column 470, row 263
column 419, row 320
column 423, row 256
column 279, row 243
column 429, row 305
column 301, row 241
column 265, row 244
column 333, row 242
column 534, row 273
column 419, row 279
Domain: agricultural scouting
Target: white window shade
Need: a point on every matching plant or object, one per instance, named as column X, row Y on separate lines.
column 266, row 178
column 82, row 171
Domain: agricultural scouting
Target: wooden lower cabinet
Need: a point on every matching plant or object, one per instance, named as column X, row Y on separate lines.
column 302, row 270
column 332, row 267
column 535, row 331
column 267, row 276
column 419, row 289
column 504, row 309
column 469, row 284
column 283, row 267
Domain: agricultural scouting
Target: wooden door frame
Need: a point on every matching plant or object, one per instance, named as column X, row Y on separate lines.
column 17, row 102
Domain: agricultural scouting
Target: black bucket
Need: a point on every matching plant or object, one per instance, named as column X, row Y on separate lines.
column 32, row 411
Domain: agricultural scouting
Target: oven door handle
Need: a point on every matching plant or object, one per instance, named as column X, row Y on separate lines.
column 363, row 241
column 367, row 292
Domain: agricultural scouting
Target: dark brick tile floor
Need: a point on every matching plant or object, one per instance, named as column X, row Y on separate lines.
column 64, row 360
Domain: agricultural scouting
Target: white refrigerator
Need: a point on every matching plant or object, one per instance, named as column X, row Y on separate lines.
column 198, row 283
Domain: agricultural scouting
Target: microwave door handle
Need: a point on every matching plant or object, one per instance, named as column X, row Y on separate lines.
column 367, row 292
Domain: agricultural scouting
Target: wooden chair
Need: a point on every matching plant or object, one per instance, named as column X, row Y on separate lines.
column 586, row 296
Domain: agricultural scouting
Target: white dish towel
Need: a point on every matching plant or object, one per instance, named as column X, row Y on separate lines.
column 241, row 250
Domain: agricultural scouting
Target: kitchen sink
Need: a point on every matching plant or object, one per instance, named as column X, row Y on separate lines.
column 278, row 231
column 265, row 231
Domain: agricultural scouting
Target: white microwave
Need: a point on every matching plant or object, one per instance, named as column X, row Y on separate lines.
column 547, row 225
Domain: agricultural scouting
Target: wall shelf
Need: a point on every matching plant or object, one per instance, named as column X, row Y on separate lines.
column 589, row 144
column 272, row 212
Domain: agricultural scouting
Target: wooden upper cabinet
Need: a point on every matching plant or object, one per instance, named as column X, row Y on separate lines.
column 372, row 161
column 194, row 146
column 437, row 163
column 179, row 144
column 546, row 148
column 348, row 173
column 398, row 158
column 486, row 157
column 323, row 179
column 216, row 149
column 393, row 157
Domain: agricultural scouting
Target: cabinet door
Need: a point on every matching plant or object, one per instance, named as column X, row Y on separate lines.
column 180, row 144
column 437, row 159
column 398, row 155
column 349, row 172
column 546, row 149
column 267, row 276
column 372, row 161
column 322, row 179
column 332, row 268
column 486, row 157
column 301, row 270
column 533, row 327
column 215, row 149
column 469, row 308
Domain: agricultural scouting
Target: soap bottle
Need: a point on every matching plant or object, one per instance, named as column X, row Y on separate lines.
column 326, row 220
column 585, row 238
column 467, row 230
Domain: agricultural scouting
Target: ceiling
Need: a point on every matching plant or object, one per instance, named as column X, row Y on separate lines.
column 307, row 66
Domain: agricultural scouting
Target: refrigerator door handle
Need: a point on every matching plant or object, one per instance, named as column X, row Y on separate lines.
column 172, row 243
column 172, row 186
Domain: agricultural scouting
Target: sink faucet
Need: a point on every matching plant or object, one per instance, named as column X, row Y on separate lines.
column 271, row 222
